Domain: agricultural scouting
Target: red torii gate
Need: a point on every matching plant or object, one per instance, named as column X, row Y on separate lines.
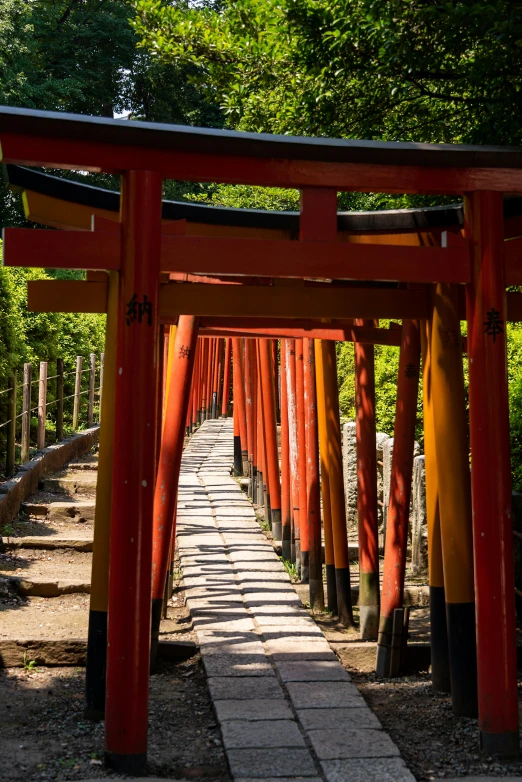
column 145, row 154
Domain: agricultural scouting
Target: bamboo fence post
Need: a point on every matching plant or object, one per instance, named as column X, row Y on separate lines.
column 77, row 387
column 59, row 399
column 26, row 413
column 42, row 405
column 11, row 428
column 92, row 376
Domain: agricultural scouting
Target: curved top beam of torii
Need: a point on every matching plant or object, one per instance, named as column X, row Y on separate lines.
column 60, row 140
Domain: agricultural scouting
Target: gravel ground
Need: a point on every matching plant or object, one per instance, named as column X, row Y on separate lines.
column 434, row 743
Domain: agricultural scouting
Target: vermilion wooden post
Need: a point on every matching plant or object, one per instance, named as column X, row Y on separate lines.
column 367, row 489
column 450, row 429
column 249, row 405
column 262, row 439
column 194, row 393
column 204, row 386
column 400, row 490
column 166, row 489
column 329, row 558
column 286, row 515
column 217, row 377
column 126, row 712
column 335, row 475
column 226, row 378
column 270, row 430
column 294, row 461
column 239, row 405
column 312, row 479
column 210, row 364
column 301, row 460
column 491, row 477
column 440, row 675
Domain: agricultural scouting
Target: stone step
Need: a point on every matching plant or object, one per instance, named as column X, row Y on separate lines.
column 34, row 587
column 71, row 483
column 82, row 511
column 49, row 544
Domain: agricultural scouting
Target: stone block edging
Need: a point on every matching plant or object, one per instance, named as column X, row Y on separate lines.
column 16, row 490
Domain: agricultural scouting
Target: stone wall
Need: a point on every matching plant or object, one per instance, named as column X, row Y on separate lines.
column 384, row 446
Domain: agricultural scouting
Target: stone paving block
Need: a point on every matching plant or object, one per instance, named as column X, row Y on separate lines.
column 288, row 620
column 285, row 648
column 224, row 622
column 368, row 770
column 321, row 695
column 338, row 719
column 339, row 744
column 268, row 779
column 237, row 665
column 268, row 709
column 226, row 688
column 279, row 762
column 267, row 733
column 313, row 671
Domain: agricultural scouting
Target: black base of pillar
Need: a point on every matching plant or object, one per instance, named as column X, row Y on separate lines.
column 462, row 648
column 133, row 765
column 305, row 567
column 331, row 589
column 238, row 461
column 286, row 543
column 277, row 524
column 344, row 596
column 96, row 666
column 244, row 464
column 505, row 745
column 292, row 552
column 382, row 665
column 440, row 669
column 369, row 606
column 157, row 610
column 298, row 560
column 316, row 594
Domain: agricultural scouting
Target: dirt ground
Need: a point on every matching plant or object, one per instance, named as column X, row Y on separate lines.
column 45, row 737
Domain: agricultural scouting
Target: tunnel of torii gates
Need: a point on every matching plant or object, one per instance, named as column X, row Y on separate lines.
column 289, row 286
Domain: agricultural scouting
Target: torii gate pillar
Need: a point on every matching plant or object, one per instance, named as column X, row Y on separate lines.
column 126, row 711
column 491, row 477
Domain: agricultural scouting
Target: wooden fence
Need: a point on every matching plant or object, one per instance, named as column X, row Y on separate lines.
column 42, row 409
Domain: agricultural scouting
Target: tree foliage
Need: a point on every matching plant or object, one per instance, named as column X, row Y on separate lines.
column 388, row 69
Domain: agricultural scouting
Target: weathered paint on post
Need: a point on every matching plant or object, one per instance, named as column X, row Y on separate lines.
column 286, row 513
column 392, row 594
column 301, row 460
column 335, row 475
column 491, row 477
column 367, row 488
column 270, row 432
column 292, row 436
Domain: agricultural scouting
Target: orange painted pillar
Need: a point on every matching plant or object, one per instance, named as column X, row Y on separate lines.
column 301, row 460
column 290, row 345
column 126, row 711
column 313, row 495
column 491, row 477
column 286, row 515
column 400, row 490
column 329, row 557
column 270, row 432
column 367, row 489
column 240, row 445
column 335, row 474
column 204, row 378
column 166, row 490
column 440, row 674
column 226, row 378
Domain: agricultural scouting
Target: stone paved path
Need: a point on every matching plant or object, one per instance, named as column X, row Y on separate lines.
column 286, row 707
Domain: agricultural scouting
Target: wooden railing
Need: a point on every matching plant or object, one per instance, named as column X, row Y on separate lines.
column 43, row 409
